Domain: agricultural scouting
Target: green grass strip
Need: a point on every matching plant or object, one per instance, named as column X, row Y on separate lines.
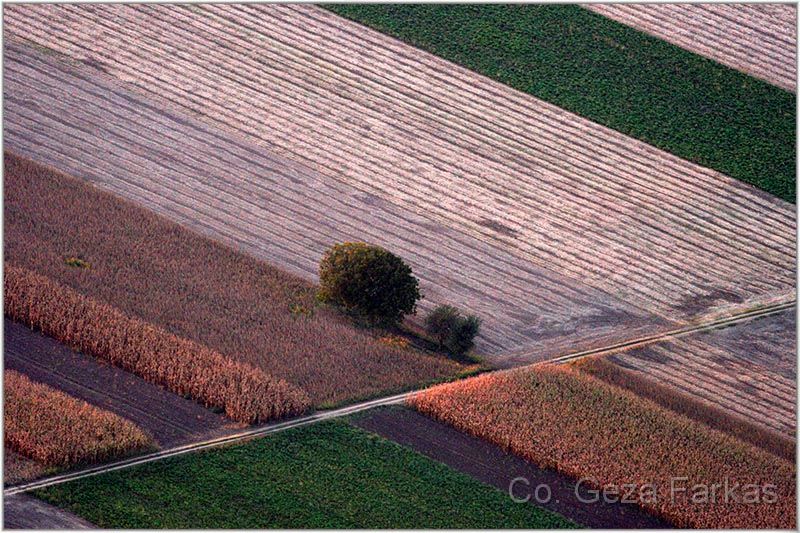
column 609, row 73
column 329, row 475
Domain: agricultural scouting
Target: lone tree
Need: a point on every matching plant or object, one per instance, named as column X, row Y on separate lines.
column 368, row 281
column 451, row 329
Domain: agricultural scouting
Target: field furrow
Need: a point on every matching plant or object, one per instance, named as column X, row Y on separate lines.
column 398, row 124
column 84, row 123
column 748, row 369
column 756, row 39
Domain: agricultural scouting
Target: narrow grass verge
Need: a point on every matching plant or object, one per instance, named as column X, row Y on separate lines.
column 607, row 72
column 328, row 475
column 560, row 418
column 57, row 430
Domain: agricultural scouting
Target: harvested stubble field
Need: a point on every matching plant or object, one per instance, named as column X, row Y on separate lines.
column 642, row 86
column 57, row 430
column 539, row 221
column 22, row 511
column 221, row 309
column 690, row 406
column 749, row 369
column 560, row 418
column 759, row 39
column 288, row 214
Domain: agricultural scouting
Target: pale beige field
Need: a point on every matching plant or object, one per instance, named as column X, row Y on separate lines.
column 749, row 369
column 551, row 190
column 758, row 39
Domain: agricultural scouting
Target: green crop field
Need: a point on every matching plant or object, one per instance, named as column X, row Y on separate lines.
column 330, row 475
column 614, row 75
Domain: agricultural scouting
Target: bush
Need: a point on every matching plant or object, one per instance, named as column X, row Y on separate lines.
column 452, row 330
column 368, row 281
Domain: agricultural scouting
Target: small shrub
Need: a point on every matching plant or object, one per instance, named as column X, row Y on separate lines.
column 197, row 289
column 395, row 341
column 76, row 262
column 368, row 281
column 452, row 330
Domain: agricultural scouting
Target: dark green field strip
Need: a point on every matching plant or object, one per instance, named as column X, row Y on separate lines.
column 614, row 75
column 329, row 475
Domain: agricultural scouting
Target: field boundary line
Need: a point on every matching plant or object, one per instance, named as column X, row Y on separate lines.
column 379, row 402
column 203, row 445
column 676, row 333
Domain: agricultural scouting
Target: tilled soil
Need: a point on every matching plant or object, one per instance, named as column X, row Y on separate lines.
column 489, row 464
column 168, row 418
column 749, row 369
column 18, row 468
column 758, row 39
column 22, row 511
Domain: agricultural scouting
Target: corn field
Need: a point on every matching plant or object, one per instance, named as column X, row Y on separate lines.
column 562, row 419
column 687, row 405
column 58, row 430
column 158, row 272
column 246, row 394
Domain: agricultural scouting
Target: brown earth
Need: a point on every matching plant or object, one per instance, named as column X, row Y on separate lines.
column 749, row 369
column 170, row 419
column 22, row 511
column 758, row 39
column 490, row 464
column 18, row 468
column 560, row 418
column 157, row 275
column 689, row 405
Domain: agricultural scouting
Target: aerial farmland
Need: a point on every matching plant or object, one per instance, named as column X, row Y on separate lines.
column 370, row 266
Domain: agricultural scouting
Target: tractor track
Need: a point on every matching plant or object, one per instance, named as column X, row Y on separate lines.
column 379, row 402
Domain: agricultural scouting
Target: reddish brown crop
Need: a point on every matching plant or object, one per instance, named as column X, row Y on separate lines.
column 689, row 406
column 195, row 288
column 560, row 418
column 246, row 394
column 56, row 429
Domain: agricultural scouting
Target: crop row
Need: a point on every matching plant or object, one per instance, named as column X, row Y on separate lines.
column 275, row 210
column 560, row 418
column 553, row 189
column 246, row 394
column 756, row 39
column 58, row 430
column 156, row 271
column 748, row 370
column 690, row 406
column 617, row 76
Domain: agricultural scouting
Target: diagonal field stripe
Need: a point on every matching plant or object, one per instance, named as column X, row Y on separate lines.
column 363, row 406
